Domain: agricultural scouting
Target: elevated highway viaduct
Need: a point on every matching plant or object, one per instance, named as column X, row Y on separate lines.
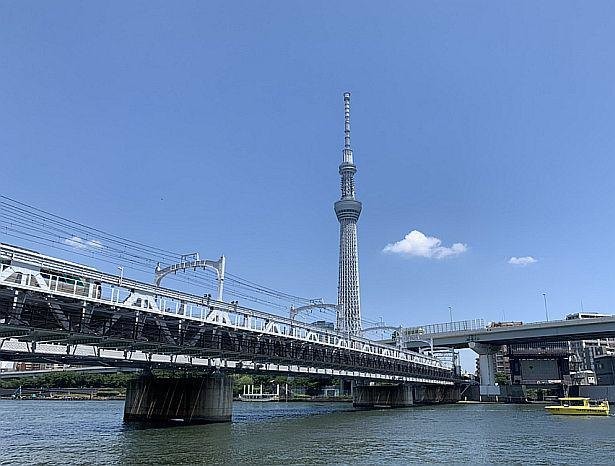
column 487, row 340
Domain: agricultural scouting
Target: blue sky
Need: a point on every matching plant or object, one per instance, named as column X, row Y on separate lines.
column 218, row 127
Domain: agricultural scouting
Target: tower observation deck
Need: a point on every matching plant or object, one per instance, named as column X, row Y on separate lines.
column 348, row 210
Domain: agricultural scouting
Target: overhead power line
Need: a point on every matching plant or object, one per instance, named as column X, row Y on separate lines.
column 36, row 226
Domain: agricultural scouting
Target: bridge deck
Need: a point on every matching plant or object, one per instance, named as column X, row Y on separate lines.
column 556, row 330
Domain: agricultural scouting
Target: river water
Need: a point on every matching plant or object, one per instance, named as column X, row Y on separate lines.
column 92, row 432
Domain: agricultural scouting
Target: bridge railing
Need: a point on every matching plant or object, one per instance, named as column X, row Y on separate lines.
column 39, row 273
column 424, row 331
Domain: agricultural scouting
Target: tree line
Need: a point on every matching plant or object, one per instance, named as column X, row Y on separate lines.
column 70, row 379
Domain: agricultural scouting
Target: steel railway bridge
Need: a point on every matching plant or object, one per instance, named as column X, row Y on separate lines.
column 55, row 310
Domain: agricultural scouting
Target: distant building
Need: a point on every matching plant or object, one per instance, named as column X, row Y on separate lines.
column 501, row 364
column 35, row 366
column 7, row 366
column 605, row 369
column 583, row 378
column 324, row 324
column 330, row 392
column 539, row 362
column 585, row 351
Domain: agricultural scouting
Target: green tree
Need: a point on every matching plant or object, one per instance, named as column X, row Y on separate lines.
column 67, row 379
column 501, row 378
column 239, row 381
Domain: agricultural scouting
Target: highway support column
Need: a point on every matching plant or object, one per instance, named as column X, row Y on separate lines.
column 489, row 391
column 194, row 400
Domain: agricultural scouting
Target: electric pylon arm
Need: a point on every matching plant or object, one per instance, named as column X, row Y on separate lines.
column 382, row 327
column 192, row 261
column 294, row 311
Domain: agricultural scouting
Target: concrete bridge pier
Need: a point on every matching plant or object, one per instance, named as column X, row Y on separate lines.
column 403, row 395
column 486, row 365
column 196, row 400
column 375, row 396
column 431, row 394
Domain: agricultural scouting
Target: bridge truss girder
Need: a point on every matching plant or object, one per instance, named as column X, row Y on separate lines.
column 134, row 330
column 55, row 304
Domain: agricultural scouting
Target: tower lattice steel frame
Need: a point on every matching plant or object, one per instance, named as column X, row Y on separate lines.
column 347, row 210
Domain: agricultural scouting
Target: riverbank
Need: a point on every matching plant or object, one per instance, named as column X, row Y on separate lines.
column 64, row 398
column 60, row 396
column 312, row 399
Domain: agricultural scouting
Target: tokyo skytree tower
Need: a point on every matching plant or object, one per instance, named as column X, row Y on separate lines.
column 348, row 210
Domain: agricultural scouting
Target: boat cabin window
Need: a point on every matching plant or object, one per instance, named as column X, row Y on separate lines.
column 569, row 402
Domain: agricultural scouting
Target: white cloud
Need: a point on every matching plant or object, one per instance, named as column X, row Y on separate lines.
column 418, row 244
column 522, row 261
column 80, row 243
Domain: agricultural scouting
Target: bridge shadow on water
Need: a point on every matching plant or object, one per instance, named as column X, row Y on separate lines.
column 255, row 412
column 248, row 438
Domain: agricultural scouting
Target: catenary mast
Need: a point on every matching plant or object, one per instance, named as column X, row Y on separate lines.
column 348, row 210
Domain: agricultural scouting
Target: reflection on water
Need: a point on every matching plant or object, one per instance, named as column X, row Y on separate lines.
column 82, row 432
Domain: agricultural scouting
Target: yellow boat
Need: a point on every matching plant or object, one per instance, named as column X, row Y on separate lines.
column 579, row 406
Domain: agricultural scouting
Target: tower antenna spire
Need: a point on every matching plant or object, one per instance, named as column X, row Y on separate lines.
column 346, row 120
column 347, row 148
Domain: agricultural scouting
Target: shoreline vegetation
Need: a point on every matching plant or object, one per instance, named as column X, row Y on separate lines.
column 77, row 386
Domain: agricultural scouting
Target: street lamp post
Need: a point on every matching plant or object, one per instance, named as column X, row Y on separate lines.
column 544, row 295
column 121, row 269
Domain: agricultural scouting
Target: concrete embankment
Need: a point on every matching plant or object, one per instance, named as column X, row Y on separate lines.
column 598, row 392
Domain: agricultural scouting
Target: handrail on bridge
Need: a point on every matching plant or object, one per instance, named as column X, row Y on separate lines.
column 416, row 333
